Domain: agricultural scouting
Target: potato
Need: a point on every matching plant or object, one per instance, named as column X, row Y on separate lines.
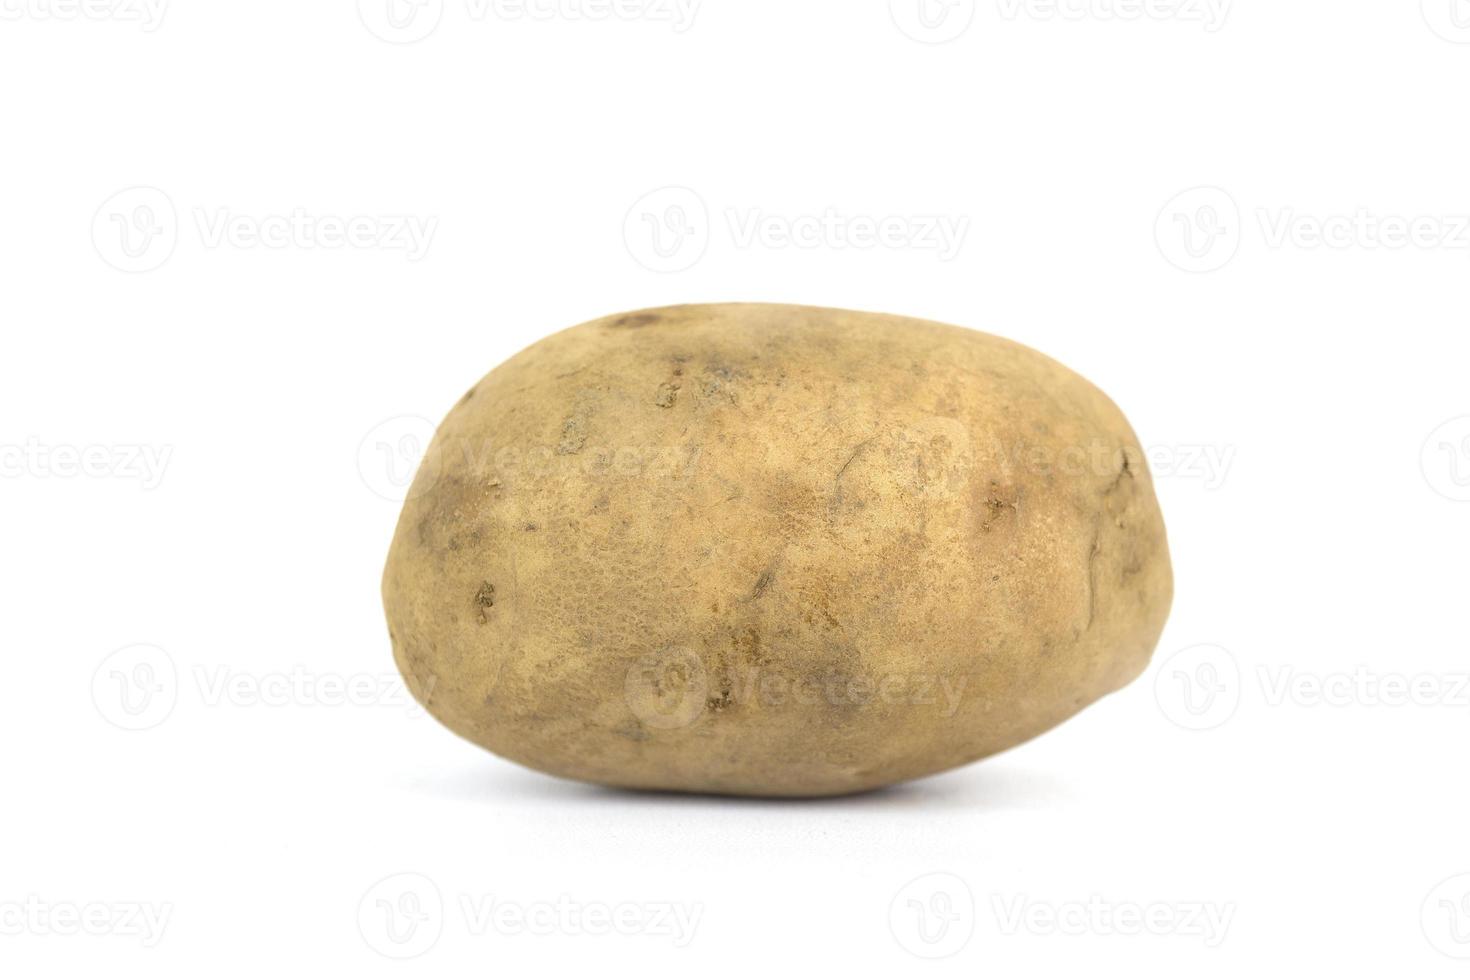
column 773, row 550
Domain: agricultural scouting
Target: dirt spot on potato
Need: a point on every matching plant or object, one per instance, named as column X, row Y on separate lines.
column 668, row 393
column 763, row 583
column 1126, row 471
column 573, row 436
column 722, row 698
column 997, row 506
column 747, row 646
column 484, row 601
column 635, row 320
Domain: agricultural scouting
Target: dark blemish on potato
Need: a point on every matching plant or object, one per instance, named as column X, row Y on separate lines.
column 1127, row 470
column 723, row 698
column 484, row 599
column 635, row 320
column 748, row 646
column 1092, row 557
column 668, row 393
column 469, row 394
column 573, row 437
column 763, row 583
column 837, row 482
column 995, row 507
column 531, row 527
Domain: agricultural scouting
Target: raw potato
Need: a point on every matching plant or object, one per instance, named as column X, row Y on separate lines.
column 774, row 550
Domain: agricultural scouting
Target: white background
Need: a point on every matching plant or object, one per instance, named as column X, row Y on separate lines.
column 1300, row 398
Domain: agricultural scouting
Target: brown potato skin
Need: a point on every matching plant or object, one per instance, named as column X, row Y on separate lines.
column 774, row 550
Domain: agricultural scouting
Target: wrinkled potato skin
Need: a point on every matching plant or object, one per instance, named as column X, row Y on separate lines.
column 774, row 550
